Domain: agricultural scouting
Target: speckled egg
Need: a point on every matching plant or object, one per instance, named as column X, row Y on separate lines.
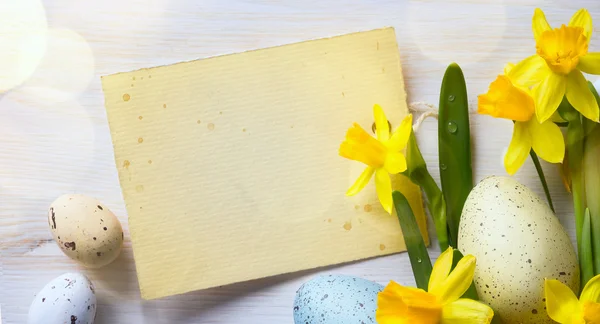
column 69, row 298
column 336, row 299
column 518, row 242
column 85, row 230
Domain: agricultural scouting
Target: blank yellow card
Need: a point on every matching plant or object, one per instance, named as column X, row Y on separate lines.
column 229, row 165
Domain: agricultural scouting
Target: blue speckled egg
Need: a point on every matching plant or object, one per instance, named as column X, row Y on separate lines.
column 336, row 299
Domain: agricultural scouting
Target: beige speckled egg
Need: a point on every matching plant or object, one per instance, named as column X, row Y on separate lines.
column 85, row 230
column 518, row 242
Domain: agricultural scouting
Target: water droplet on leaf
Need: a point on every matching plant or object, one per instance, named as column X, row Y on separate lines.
column 452, row 127
column 443, row 166
column 451, row 98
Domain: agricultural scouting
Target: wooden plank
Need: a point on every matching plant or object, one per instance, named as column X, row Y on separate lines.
column 42, row 155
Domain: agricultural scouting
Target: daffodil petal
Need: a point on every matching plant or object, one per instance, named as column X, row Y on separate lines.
column 508, row 67
column 539, row 23
column 466, row 311
column 384, row 189
column 441, row 269
column 458, row 281
column 547, row 140
column 361, row 182
column 505, row 100
column 561, row 302
column 381, row 124
column 583, row 19
column 591, row 292
column 548, row 95
column 581, row 97
column 397, row 305
column 519, row 148
column 400, row 137
column 590, row 63
column 395, row 163
column 528, row 72
column 591, row 313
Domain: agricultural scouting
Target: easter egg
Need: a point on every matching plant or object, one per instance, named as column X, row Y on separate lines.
column 518, row 242
column 336, row 299
column 69, row 298
column 85, row 230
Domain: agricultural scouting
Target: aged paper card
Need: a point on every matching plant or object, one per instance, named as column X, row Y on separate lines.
column 229, row 165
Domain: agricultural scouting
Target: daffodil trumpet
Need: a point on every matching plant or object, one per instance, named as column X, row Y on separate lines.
column 441, row 303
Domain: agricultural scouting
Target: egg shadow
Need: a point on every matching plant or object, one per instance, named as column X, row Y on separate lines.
column 190, row 307
column 118, row 279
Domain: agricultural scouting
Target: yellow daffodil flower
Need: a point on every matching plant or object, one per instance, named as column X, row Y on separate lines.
column 509, row 99
column 381, row 155
column 555, row 71
column 397, row 304
column 563, row 306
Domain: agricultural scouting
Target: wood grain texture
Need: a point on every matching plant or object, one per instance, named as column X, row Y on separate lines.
column 47, row 149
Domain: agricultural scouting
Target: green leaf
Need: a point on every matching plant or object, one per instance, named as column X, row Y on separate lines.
column 417, row 172
column 472, row 291
column 586, row 259
column 540, row 172
column 454, row 145
column 417, row 252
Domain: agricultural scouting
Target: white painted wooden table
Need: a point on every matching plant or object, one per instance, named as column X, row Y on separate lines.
column 52, row 147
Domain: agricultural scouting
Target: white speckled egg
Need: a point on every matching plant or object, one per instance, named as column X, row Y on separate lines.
column 518, row 242
column 336, row 299
column 85, row 230
column 69, row 299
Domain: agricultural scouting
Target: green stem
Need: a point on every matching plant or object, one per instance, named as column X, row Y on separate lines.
column 591, row 156
column 436, row 206
column 417, row 252
column 586, row 255
column 417, row 172
column 575, row 142
column 540, row 172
